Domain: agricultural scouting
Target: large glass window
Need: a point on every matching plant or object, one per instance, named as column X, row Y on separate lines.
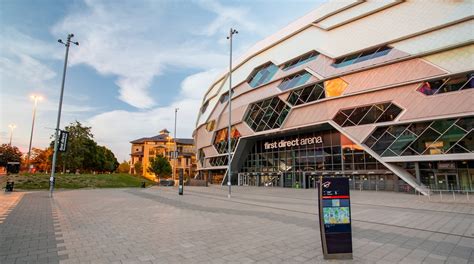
column 219, row 161
column 300, row 60
column 210, row 125
column 267, row 114
column 362, row 56
column 443, row 136
column 306, row 94
column 262, row 75
column 204, row 107
column 449, row 84
column 318, row 151
column 201, row 157
column 368, row 114
column 221, row 139
column 294, row 80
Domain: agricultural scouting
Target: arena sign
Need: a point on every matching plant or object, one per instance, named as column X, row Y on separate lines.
column 294, row 142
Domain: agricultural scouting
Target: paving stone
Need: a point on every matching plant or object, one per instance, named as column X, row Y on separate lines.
column 257, row 225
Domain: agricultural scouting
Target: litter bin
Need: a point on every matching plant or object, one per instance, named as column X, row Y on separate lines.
column 9, row 186
column 143, row 185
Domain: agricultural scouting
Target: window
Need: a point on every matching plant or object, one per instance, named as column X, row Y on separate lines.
column 306, row 94
column 219, row 161
column 335, row 87
column 204, row 107
column 445, row 136
column 225, row 96
column 300, row 60
column 262, row 75
column 221, row 139
column 267, row 114
column 449, row 84
column 368, row 114
column 211, row 125
column 362, row 56
column 201, row 156
column 294, row 80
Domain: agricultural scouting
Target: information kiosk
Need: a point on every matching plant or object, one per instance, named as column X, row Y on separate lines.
column 335, row 217
column 181, row 182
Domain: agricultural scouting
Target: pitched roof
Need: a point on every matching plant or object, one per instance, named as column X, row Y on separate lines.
column 163, row 138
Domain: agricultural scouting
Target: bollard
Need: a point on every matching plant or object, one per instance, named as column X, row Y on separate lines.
column 441, row 195
column 454, row 196
column 467, row 195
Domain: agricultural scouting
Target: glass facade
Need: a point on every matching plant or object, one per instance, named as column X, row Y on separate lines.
column 221, row 139
column 219, row 161
column 201, row 157
column 210, row 125
column 445, row 136
column 362, row 56
column 225, row 96
column 294, row 80
column 306, row 94
column 262, row 75
column 449, row 84
column 367, row 114
column 267, row 114
column 300, row 61
column 319, row 151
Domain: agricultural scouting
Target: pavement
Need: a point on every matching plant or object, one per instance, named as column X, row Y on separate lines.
column 257, row 225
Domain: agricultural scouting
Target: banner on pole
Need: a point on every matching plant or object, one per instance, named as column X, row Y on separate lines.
column 63, row 138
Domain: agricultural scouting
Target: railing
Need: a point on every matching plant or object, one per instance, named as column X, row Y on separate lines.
column 451, row 195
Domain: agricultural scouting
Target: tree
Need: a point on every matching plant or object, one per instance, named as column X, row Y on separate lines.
column 124, row 167
column 83, row 153
column 160, row 166
column 9, row 154
column 41, row 158
column 138, row 166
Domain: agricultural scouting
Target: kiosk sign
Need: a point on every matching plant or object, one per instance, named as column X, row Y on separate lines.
column 335, row 218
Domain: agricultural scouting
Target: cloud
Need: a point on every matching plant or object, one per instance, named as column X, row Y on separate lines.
column 133, row 125
column 228, row 16
column 25, row 69
column 133, row 43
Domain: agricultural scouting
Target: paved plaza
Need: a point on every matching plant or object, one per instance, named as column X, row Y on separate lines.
column 257, row 225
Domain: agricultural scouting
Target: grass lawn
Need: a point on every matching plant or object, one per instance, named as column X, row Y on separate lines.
column 73, row 181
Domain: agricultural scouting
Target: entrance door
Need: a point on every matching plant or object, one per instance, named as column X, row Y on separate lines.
column 441, row 182
column 452, row 181
column 447, row 181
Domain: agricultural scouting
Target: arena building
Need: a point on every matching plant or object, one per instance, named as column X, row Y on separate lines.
column 378, row 91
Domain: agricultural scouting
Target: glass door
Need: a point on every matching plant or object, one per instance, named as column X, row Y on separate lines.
column 441, row 182
column 452, row 181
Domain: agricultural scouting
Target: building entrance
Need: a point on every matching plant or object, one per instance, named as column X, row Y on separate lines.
column 446, row 181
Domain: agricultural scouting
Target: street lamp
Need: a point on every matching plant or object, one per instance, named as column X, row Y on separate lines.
column 11, row 126
column 175, row 154
column 36, row 98
column 229, row 170
column 55, row 155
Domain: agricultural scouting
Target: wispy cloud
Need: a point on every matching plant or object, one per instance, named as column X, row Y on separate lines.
column 134, row 125
column 126, row 41
column 228, row 16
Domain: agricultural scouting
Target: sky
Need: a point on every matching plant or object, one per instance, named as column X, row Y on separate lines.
column 136, row 62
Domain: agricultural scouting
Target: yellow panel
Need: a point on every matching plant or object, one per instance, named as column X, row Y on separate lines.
column 335, row 87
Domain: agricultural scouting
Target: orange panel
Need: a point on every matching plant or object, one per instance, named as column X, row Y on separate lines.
column 334, row 87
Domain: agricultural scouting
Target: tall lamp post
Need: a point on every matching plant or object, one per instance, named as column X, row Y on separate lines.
column 11, row 126
column 229, row 170
column 175, row 154
column 36, row 98
column 55, row 155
